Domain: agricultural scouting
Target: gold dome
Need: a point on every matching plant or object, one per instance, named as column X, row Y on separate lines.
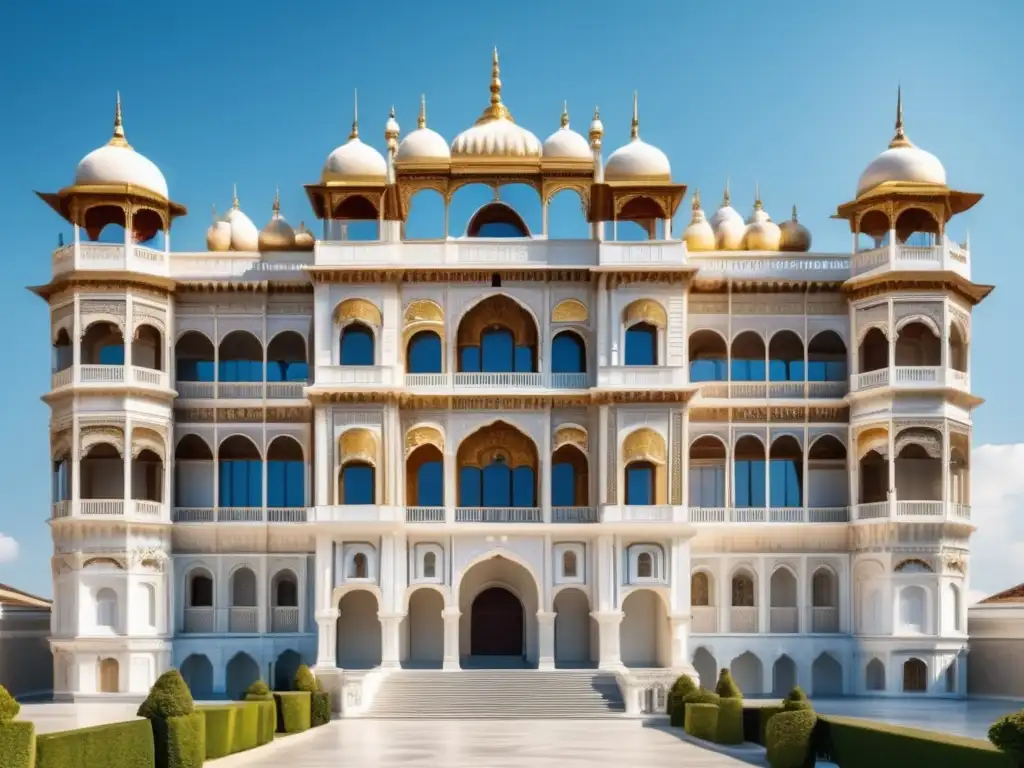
column 795, row 236
column 304, row 239
column 699, row 236
column 278, row 235
column 218, row 236
column 762, row 234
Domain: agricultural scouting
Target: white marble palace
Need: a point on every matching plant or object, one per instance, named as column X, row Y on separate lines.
column 643, row 451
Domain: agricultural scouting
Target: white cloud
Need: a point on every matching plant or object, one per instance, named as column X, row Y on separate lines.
column 8, row 549
column 997, row 509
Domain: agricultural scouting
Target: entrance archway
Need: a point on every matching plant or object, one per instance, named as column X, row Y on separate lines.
column 498, row 600
column 496, row 626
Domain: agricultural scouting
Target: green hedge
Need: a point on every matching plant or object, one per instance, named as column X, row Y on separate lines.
column 730, row 722
column 17, row 744
column 863, row 744
column 790, row 738
column 293, row 711
column 755, row 722
column 701, row 721
column 674, row 705
column 117, row 745
column 268, row 717
column 180, row 741
column 232, row 728
column 320, row 708
column 726, row 687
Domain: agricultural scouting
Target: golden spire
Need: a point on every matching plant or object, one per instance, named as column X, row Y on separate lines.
column 727, row 197
column 234, row 196
column 421, row 121
column 900, row 139
column 757, row 196
column 794, row 212
column 696, row 201
column 355, row 116
column 634, row 130
column 565, row 114
column 276, row 208
column 118, row 139
column 496, row 110
column 214, row 213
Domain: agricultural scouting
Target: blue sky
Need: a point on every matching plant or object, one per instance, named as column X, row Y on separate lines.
column 797, row 96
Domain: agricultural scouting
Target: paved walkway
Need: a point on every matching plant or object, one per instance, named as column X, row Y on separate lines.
column 482, row 744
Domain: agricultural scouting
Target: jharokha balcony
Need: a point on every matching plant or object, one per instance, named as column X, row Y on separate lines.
column 244, row 614
column 102, row 359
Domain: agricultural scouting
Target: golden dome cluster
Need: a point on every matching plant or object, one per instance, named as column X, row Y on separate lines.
column 235, row 231
column 727, row 231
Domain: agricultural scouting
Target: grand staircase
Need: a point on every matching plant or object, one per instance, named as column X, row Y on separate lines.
column 497, row 694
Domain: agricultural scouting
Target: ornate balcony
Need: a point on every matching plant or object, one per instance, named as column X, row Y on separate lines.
column 911, row 377
column 759, row 390
column 239, row 514
column 824, row 620
column 102, row 376
column 476, row 381
column 747, row 515
column 240, row 390
column 913, row 511
column 499, row 515
column 641, row 376
column 135, row 509
column 284, row 619
column 492, row 253
column 109, row 257
column 947, row 256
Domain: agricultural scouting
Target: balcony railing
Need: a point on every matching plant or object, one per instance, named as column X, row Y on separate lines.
column 911, row 377
column 913, row 510
column 106, row 375
column 704, row 618
column 641, row 376
column 139, row 509
column 199, row 620
column 493, row 252
column 247, row 390
column 945, row 256
column 783, row 620
column 109, row 256
column 499, row 515
column 469, row 381
column 239, row 514
column 243, row 620
column 284, row 619
column 574, row 515
column 743, row 619
column 643, row 513
column 769, row 515
column 759, row 390
column 824, row 620
column 424, row 514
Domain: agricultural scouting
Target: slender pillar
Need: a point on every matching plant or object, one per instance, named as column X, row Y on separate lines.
column 546, row 630
column 608, row 622
column 389, row 639
column 326, row 614
column 451, row 639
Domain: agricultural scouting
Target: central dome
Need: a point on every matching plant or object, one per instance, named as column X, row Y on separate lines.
column 637, row 161
column 566, row 144
column 495, row 133
column 353, row 160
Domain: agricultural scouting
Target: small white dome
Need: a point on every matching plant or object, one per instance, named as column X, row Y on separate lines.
column 355, row 160
column 117, row 163
column 726, row 213
column 423, row 143
column 244, row 234
column 698, row 235
column 566, row 143
column 596, row 126
column 638, row 160
column 729, row 234
column 391, row 127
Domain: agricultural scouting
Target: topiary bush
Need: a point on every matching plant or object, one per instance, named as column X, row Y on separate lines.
column 17, row 744
column 701, row 696
column 726, row 687
column 169, row 697
column 320, row 708
column 305, row 680
column 789, row 738
column 178, row 731
column 233, row 728
column 765, row 714
column 730, row 721
column 701, row 721
column 258, row 691
column 796, row 700
column 1007, row 733
column 674, row 705
column 293, row 711
column 9, row 707
column 115, row 745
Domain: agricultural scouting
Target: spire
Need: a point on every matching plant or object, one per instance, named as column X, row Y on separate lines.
column 794, row 213
column 496, row 110
column 276, row 208
column 118, row 139
column 696, row 200
column 634, row 130
column 421, row 121
column 565, row 114
column 355, row 116
column 757, row 196
column 727, row 197
column 900, row 139
column 234, row 196
column 214, row 213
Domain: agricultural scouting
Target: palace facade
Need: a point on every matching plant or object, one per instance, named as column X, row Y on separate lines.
column 645, row 451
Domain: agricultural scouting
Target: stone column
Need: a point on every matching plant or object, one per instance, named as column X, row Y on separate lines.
column 680, row 638
column 610, row 659
column 546, row 631
column 389, row 639
column 327, row 638
column 451, row 638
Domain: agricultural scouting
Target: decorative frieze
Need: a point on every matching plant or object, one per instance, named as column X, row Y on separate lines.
column 275, row 414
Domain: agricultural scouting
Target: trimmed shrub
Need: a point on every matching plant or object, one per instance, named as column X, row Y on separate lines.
column 1007, row 733
column 180, row 742
column 701, row 721
column 765, row 714
column 293, row 711
column 320, row 708
column 116, row 745
column 674, row 705
column 258, row 689
column 231, row 728
column 169, row 697
column 856, row 743
column 267, row 710
column 726, row 687
column 305, row 680
column 730, row 722
column 701, row 696
column 789, row 737
column 9, row 707
column 796, row 700
column 17, row 744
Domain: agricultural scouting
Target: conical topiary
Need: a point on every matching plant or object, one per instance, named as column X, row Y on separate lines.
column 9, row 708
column 305, row 680
column 259, row 688
column 680, row 688
column 796, row 700
column 727, row 687
column 169, row 697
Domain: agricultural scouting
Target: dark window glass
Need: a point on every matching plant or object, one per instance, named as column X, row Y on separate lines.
column 357, row 482
column 424, row 354
column 642, row 345
column 430, row 484
column 640, row 483
column 568, row 354
column 563, row 485
column 357, row 345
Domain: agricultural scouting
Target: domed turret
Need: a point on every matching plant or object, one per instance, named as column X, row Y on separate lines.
column 304, row 239
column 353, row 160
column 423, row 144
column 596, row 130
column 637, row 161
column 244, row 235
column 795, row 236
column 218, row 236
column 902, row 162
column 698, row 235
column 728, row 225
column 278, row 234
column 565, row 143
column 762, row 234
column 117, row 163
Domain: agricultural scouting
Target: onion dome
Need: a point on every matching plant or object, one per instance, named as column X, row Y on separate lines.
column 565, row 143
column 762, row 234
column 218, row 236
column 423, row 143
column 391, row 127
column 304, row 239
column 795, row 236
column 278, row 235
column 117, row 163
column 244, row 235
column 353, row 160
column 698, row 235
column 728, row 225
column 637, row 161
column 596, row 130
column 902, row 161
column 495, row 133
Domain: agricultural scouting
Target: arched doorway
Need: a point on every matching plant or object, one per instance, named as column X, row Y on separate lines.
column 424, row 626
column 359, row 631
column 572, row 628
column 496, row 626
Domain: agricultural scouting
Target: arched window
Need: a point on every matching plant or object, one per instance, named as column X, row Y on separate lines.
column 358, row 483
column 641, row 345
column 826, row 358
column 423, row 354
column 742, row 591
column 286, row 358
column 61, row 479
column 874, row 675
column 148, row 348
column 430, row 484
column 241, row 473
column 286, row 482
column 750, row 467
column 640, row 483
column 708, row 356
column 149, row 594
column 498, row 335
column 286, row 591
column 645, row 566
column 106, row 609
column 568, row 353
column 915, row 676
column 103, row 344
column 787, row 472
column 359, row 567
column 700, row 589
column 357, row 345
column 568, row 477
column 429, row 565
column 63, row 352
column 497, row 485
column 241, row 357
column 785, row 357
column 569, row 565
column 874, row 351
column 823, row 589
column 748, row 357
column 194, row 357
column 200, row 591
column 497, row 220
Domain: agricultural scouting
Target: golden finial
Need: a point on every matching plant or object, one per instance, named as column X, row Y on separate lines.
column 277, row 201
column 496, row 110
column 696, row 200
column 727, row 197
column 794, row 212
column 355, row 116
column 118, row 139
column 565, row 114
column 214, row 213
column 421, row 121
column 757, row 196
column 634, row 131
column 234, row 196
column 900, row 139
